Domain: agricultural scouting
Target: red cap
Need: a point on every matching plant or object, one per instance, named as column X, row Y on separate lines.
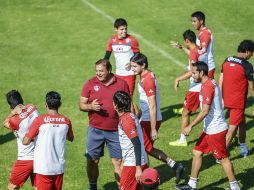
column 150, row 176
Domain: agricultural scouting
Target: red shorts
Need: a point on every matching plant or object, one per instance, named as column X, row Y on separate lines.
column 146, row 128
column 48, row 182
column 21, row 170
column 191, row 101
column 215, row 143
column 211, row 73
column 128, row 180
column 236, row 116
column 130, row 79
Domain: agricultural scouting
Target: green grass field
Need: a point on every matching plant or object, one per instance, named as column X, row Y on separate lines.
column 53, row 45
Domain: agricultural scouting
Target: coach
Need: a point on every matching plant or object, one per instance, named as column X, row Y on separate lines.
column 96, row 99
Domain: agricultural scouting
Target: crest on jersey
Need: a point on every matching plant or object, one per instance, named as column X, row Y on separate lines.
column 96, row 88
column 119, row 49
column 150, row 91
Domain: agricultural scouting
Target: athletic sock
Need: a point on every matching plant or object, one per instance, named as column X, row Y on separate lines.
column 92, row 186
column 170, row 162
column 183, row 137
column 234, row 185
column 243, row 147
column 193, row 182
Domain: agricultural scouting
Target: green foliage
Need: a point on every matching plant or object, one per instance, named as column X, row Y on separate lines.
column 53, row 45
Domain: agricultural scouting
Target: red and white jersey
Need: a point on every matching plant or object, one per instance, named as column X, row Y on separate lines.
column 195, row 55
column 129, row 128
column 205, row 41
column 20, row 124
column 148, row 86
column 50, row 133
column 210, row 94
column 123, row 50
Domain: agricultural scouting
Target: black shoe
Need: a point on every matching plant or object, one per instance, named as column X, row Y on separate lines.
column 184, row 187
column 179, row 169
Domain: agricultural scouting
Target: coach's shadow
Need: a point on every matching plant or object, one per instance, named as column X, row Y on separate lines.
column 7, row 137
column 110, row 186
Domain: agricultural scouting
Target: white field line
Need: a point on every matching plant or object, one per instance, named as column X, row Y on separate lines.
column 141, row 38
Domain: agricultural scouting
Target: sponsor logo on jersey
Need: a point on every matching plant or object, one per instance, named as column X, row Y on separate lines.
column 27, row 111
column 150, row 91
column 49, row 119
column 96, row 88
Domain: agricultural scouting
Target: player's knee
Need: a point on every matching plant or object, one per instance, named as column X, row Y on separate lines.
column 196, row 153
column 117, row 164
column 93, row 161
column 186, row 112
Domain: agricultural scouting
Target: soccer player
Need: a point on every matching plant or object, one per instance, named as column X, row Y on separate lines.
column 150, row 179
column 96, row 99
column 50, row 131
column 213, row 136
column 19, row 121
column 235, row 79
column 131, row 141
column 149, row 97
column 205, row 39
column 124, row 47
column 191, row 102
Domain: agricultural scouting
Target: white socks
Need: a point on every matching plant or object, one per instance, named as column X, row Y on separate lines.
column 183, row 137
column 234, row 185
column 193, row 182
column 170, row 162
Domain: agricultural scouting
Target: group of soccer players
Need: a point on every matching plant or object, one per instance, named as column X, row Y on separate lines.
column 42, row 139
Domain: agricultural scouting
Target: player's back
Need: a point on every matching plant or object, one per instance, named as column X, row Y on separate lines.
column 21, row 124
column 50, row 144
column 235, row 83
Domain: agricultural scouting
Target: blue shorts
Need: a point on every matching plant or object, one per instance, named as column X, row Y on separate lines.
column 96, row 140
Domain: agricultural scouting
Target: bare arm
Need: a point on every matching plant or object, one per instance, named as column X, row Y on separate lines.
column 179, row 46
column 202, row 114
column 251, row 87
column 153, row 115
column 85, row 106
column 221, row 81
column 184, row 76
column 26, row 141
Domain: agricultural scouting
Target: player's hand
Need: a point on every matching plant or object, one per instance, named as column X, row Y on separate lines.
column 138, row 174
column 176, row 85
column 18, row 109
column 175, row 44
column 187, row 130
column 154, row 134
column 95, row 105
column 128, row 66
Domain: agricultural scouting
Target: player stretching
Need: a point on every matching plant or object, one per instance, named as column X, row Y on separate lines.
column 191, row 102
column 19, row 121
column 213, row 136
column 149, row 97
column 131, row 141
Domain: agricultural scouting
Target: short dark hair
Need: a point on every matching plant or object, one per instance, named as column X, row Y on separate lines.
column 189, row 35
column 150, row 186
column 106, row 63
column 53, row 100
column 201, row 66
column 14, row 98
column 122, row 101
column 140, row 59
column 199, row 15
column 246, row 45
column 120, row 22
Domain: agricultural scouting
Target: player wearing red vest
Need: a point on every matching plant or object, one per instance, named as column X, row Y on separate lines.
column 213, row 137
column 149, row 98
column 236, row 77
column 19, row 121
column 50, row 132
column 191, row 102
column 124, row 46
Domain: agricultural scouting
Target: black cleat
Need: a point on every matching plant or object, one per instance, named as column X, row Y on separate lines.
column 184, row 187
column 179, row 169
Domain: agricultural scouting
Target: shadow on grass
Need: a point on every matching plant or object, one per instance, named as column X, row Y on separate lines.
column 167, row 112
column 110, row 186
column 245, row 178
column 7, row 137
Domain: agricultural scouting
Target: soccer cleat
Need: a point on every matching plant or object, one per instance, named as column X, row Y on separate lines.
column 178, row 111
column 184, row 187
column 217, row 161
column 178, row 143
column 179, row 169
